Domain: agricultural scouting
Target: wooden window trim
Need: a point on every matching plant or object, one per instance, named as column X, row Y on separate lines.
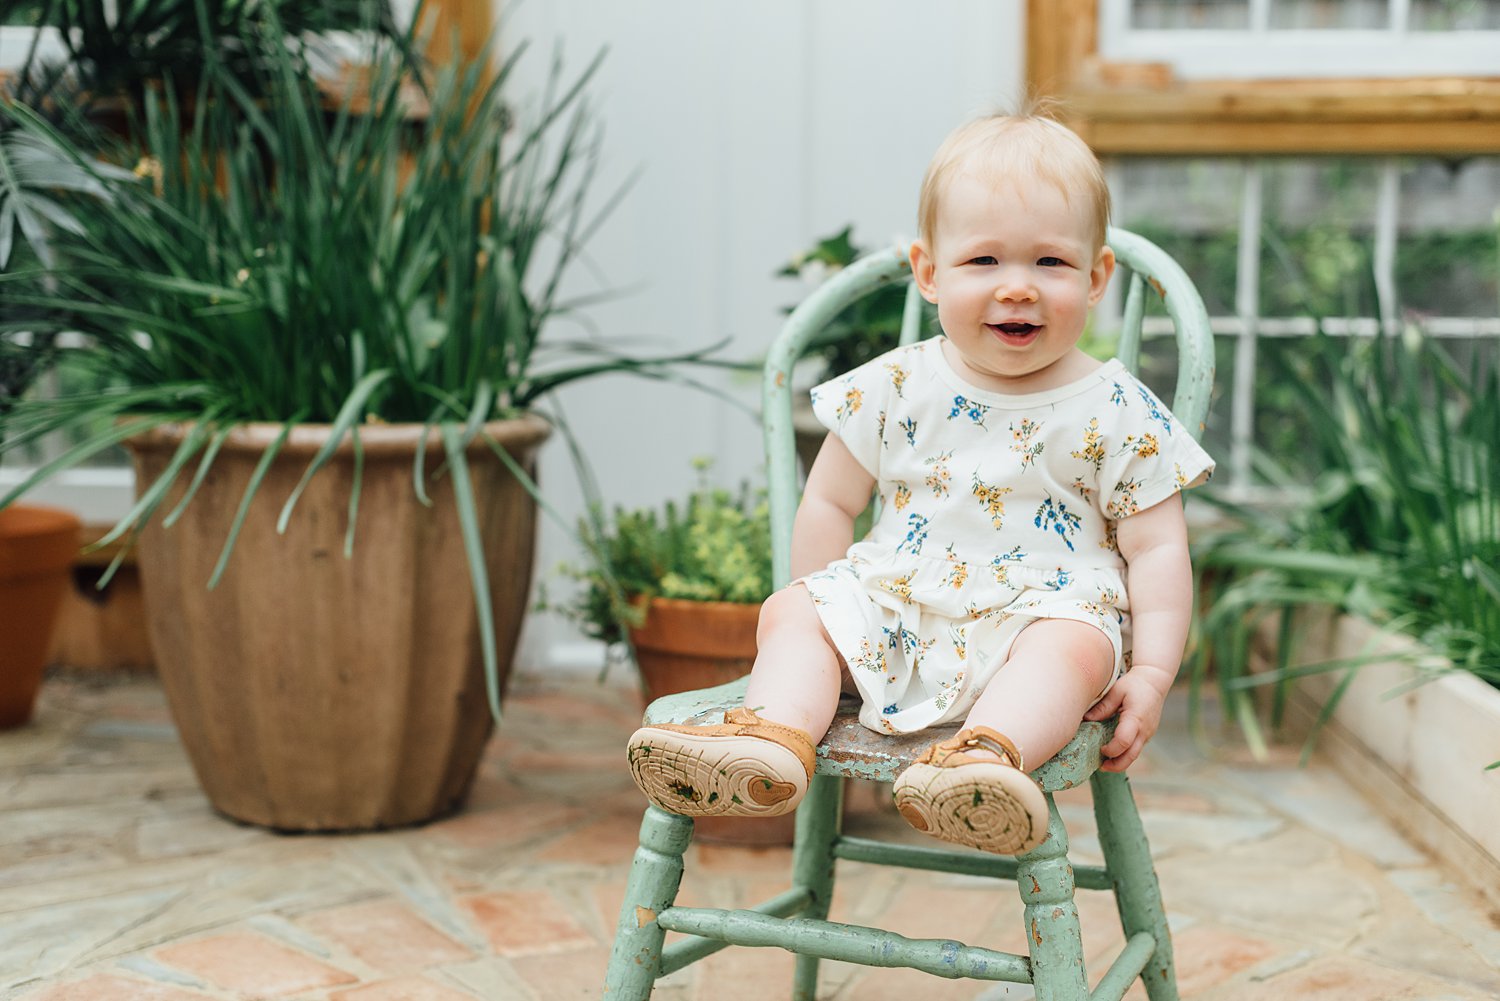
column 1140, row 109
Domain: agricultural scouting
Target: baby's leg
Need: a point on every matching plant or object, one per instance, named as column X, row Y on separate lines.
column 797, row 671
column 969, row 789
column 1056, row 670
column 759, row 761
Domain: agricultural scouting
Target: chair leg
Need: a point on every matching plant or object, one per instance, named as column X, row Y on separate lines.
column 1127, row 854
column 1045, row 879
column 818, row 821
column 655, row 875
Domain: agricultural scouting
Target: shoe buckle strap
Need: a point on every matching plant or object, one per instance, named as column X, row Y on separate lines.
column 976, row 737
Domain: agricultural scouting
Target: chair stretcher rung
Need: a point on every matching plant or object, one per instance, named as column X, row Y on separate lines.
column 849, row 943
column 1085, row 877
column 679, row 954
column 1126, row 967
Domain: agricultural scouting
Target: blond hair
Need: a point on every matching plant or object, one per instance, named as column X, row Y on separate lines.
column 1025, row 144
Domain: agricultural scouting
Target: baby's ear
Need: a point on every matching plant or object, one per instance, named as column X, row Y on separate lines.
column 923, row 270
column 1099, row 274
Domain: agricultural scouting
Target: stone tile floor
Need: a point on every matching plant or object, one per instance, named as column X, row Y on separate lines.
column 118, row 882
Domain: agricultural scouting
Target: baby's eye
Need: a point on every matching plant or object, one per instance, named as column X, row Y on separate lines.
column 1052, row 262
column 986, row 260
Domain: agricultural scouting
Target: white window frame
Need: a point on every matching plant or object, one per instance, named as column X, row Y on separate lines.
column 1261, row 52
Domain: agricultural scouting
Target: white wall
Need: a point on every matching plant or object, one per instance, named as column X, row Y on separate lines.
column 754, row 127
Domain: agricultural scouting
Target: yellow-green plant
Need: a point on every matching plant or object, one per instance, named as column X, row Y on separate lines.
column 715, row 546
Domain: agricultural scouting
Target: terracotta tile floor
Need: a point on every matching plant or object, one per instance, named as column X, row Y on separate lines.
column 118, row 882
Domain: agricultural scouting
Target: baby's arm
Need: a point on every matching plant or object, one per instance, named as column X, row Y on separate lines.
column 1159, row 580
column 838, row 489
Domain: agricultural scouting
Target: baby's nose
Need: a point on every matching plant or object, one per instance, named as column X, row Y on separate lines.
column 1015, row 290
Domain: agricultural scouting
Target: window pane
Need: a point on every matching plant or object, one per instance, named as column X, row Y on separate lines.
column 1192, row 14
column 1448, row 254
column 1317, row 241
column 1455, row 15
column 1324, row 14
column 1191, row 209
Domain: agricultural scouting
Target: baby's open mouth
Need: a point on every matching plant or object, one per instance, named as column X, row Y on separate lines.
column 1014, row 329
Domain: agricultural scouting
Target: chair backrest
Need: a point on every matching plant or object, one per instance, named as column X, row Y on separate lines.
column 1148, row 264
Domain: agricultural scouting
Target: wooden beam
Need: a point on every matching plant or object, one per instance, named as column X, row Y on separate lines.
column 1342, row 101
column 472, row 22
column 1060, row 36
column 1364, row 138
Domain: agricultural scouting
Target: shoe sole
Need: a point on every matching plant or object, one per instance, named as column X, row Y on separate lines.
column 702, row 775
column 994, row 808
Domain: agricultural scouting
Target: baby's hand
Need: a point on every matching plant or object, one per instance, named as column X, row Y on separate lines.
column 1138, row 698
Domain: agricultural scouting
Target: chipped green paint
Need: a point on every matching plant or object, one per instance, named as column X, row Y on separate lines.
column 796, row 920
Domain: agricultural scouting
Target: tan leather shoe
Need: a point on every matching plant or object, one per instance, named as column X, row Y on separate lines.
column 743, row 767
column 976, row 801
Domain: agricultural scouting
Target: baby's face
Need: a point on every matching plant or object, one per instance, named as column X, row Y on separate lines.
column 1013, row 271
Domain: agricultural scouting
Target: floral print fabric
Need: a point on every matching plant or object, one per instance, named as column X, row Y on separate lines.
column 995, row 511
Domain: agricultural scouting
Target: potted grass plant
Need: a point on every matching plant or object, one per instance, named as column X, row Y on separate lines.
column 319, row 329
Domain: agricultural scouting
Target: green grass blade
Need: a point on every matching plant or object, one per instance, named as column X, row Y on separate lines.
column 468, row 520
column 354, row 492
column 419, row 459
column 256, row 477
column 153, row 495
column 347, row 417
column 204, row 464
column 84, row 450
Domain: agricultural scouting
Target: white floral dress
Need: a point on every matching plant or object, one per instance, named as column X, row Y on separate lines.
column 995, row 511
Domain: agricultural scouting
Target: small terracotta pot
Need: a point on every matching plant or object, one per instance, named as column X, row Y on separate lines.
column 37, row 549
column 687, row 645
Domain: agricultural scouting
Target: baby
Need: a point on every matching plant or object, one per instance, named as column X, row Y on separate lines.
column 1029, row 565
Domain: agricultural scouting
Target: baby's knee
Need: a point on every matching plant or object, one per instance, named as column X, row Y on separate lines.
column 1084, row 650
column 790, row 608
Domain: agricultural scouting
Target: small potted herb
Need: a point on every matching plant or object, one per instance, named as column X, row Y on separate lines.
column 682, row 583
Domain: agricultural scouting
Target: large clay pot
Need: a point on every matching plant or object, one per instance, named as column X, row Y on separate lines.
column 314, row 692
column 686, row 645
column 37, row 549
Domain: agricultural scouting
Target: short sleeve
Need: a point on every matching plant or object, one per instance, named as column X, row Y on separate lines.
column 1150, row 456
column 853, row 406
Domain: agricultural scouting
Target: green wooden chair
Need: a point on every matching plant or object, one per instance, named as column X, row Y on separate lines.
column 797, row 919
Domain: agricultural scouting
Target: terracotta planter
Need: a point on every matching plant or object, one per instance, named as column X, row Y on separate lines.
column 37, row 548
column 686, row 645
column 314, row 692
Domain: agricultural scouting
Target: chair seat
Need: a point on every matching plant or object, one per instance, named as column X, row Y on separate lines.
column 854, row 751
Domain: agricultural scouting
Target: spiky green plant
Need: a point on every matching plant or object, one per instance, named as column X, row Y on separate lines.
column 281, row 260
column 1401, row 526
